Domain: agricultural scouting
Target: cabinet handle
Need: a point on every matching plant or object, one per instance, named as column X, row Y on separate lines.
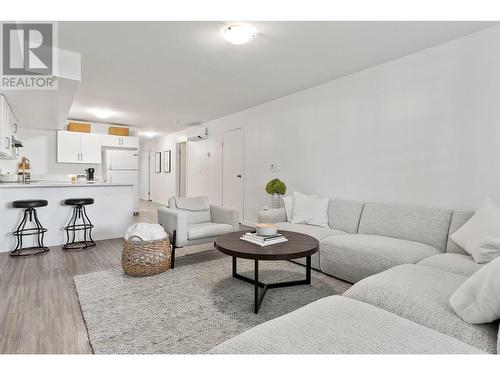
column 15, row 128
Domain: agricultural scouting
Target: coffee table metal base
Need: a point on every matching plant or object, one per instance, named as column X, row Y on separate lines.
column 258, row 285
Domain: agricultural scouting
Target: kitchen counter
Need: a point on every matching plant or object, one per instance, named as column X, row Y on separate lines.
column 41, row 184
column 111, row 213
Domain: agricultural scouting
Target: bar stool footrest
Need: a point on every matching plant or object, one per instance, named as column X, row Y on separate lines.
column 29, row 252
column 79, row 245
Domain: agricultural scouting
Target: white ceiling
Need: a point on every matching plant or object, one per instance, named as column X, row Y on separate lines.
column 166, row 75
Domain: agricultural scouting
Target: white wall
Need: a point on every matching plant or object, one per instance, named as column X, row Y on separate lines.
column 423, row 129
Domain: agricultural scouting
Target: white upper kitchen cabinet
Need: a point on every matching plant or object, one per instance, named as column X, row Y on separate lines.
column 8, row 126
column 110, row 140
column 130, row 142
column 74, row 147
column 119, row 141
column 91, row 148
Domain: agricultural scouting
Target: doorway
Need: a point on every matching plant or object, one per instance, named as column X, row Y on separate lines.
column 181, row 169
column 232, row 170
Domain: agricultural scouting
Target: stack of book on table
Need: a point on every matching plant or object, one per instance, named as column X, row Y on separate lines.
column 254, row 238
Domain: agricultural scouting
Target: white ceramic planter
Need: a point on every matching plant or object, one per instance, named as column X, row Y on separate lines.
column 275, row 200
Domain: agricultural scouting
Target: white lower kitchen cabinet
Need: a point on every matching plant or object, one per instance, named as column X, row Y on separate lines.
column 74, row 147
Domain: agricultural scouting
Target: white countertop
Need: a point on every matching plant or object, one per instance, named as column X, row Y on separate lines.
column 51, row 184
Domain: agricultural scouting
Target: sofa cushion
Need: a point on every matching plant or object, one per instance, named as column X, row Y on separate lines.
column 353, row 257
column 457, row 263
column 458, row 218
column 421, row 224
column 421, row 294
column 339, row 325
column 344, row 215
column 207, row 230
column 317, row 232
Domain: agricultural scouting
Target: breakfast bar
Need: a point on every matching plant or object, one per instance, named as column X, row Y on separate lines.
column 111, row 213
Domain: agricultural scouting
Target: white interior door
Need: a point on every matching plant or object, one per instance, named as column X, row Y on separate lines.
column 232, row 170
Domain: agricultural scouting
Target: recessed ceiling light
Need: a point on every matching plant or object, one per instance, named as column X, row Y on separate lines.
column 238, row 34
column 101, row 113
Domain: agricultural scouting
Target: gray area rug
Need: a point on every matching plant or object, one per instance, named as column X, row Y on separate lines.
column 191, row 308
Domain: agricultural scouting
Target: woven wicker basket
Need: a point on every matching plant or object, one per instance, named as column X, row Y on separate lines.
column 146, row 258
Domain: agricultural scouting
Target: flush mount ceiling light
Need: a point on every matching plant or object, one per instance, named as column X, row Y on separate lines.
column 148, row 134
column 101, row 113
column 238, row 34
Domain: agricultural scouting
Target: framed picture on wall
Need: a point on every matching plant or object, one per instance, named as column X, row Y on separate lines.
column 167, row 161
column 157, row 162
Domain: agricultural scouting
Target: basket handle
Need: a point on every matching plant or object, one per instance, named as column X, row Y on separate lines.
column 140, row 239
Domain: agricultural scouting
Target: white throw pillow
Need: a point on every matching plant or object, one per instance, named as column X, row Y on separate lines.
column 480, row 236
column 319, row 212
column 288, row 201
column 477, row 300
column 308, row 209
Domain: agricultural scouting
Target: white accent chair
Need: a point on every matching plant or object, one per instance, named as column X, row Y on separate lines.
column 193, row 221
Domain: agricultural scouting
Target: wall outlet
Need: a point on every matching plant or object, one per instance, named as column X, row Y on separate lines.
column 275, row 167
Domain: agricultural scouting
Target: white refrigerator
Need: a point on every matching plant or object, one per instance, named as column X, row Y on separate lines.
column 122, row 166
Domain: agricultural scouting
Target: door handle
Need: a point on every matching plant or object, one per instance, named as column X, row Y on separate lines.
column 238, row 175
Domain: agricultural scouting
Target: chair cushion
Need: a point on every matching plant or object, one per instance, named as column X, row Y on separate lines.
column 206, row 230
column 29, row 203
column 196, row 209
column 353, row 257
column 192, row 203
column 458, row 218
column 421, row 224
column 421, row 294
column 339, row 325
column 457, row 263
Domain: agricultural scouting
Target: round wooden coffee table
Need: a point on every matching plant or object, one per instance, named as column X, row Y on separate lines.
column 298, row 246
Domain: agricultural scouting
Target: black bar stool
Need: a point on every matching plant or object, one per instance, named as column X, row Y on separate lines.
column 29, row 206
column 79, row 213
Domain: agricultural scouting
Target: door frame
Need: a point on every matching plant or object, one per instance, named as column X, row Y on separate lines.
column 178, row 160
column 242, row 216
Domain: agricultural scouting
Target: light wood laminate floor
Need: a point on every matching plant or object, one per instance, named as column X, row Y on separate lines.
column 39, row 308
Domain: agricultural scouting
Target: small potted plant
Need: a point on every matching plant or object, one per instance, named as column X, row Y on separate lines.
column 276, row 188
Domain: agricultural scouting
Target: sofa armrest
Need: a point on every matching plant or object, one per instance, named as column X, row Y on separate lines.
column 225, row 215
column 174, row 220
column 275, row 215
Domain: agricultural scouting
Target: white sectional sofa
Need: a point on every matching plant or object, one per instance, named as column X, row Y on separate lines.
column 405, row 269
column 386, row 234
